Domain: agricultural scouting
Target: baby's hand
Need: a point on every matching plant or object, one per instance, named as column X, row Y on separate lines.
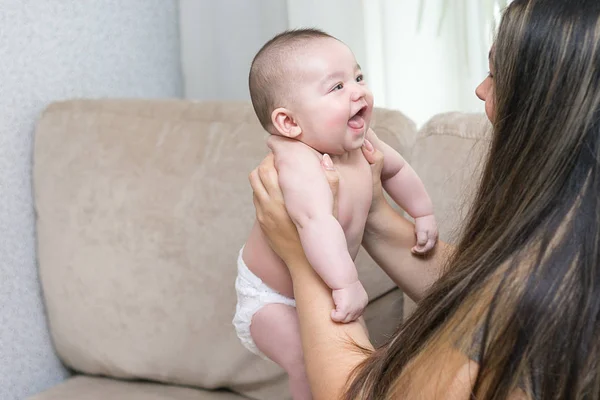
column 349, row 302
column 427, row 234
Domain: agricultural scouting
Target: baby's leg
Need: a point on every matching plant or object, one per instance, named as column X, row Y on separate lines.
column 276, row 332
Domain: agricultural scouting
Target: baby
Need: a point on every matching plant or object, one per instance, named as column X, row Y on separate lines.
column 308, row 91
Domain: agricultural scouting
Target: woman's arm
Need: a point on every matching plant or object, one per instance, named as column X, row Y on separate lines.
column 407, row 190
column 389, row 239
column 329, row 353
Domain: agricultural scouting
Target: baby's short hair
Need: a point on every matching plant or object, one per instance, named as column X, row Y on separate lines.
column 268, row 70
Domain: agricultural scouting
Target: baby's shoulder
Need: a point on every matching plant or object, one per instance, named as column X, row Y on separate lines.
column 286, row 149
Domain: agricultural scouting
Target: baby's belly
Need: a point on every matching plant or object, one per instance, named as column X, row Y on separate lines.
column 266, row 264
column 354, row 239
column 355, row 194
column 353, row 217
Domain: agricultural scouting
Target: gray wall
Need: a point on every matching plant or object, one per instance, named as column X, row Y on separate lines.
column 51, row 50
column 219, row 40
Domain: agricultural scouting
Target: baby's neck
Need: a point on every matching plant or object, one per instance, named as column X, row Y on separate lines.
column 348, row 157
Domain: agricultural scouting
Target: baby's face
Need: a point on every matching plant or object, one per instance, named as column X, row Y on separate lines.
column 333, row 104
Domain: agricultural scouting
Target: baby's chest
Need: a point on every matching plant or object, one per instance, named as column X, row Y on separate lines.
column 355, row 195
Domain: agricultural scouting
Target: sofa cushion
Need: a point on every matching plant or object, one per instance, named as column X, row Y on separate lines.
column 142, row 207
column 383, row 314
column 92, row 388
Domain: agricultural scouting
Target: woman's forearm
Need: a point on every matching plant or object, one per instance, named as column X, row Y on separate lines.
column 389, row 238
column 329, row 348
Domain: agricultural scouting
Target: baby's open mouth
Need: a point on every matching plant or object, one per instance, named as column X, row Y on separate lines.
column 358, row 121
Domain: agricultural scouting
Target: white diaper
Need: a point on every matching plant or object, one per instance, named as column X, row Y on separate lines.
column 252, row 294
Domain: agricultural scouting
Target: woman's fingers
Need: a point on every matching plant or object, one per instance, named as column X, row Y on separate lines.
column 258, row 208
column 257, row 186
column 269, row 178
column 259, row 195
column 265, row 186
column 373, row 156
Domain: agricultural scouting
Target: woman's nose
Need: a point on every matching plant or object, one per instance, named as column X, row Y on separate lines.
column 480, row 91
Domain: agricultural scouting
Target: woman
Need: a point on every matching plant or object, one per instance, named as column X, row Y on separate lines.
column 516, row 311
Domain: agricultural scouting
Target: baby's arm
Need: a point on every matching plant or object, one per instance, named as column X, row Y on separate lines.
column 406, row 188
column 309, row 202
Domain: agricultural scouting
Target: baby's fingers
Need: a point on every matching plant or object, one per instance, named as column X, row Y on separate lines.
column 337, row 315
column 422, row 238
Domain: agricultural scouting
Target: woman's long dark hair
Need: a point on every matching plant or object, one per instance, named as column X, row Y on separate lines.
column 521, row 294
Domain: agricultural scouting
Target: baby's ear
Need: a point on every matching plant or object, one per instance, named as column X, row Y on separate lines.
column 284, row 123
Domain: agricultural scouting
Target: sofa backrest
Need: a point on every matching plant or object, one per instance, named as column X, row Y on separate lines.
column 448, row 155
column 142, row 207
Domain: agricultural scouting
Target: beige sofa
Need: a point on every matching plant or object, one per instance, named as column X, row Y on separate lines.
column 141, row 209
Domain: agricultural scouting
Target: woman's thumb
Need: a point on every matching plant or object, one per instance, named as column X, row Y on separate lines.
column 373, row 156
column 327, row 163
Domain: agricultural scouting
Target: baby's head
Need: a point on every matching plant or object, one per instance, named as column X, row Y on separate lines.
column 307, row 85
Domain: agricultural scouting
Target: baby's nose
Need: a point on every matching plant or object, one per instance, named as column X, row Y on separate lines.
column 358, row 92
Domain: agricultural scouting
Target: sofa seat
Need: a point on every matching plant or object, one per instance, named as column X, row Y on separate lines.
column 95, row 388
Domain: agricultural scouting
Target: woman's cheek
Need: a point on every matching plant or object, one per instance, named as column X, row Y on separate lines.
column 490, row 110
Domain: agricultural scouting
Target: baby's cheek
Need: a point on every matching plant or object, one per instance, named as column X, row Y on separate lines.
column 337, row 120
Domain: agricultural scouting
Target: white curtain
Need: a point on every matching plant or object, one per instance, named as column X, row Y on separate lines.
column 411, row 64
column 423, row 64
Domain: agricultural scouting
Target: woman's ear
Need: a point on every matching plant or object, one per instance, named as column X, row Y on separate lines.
column 284, row 123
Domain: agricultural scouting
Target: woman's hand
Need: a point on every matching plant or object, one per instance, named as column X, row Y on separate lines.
column 375, row 158
column 270, row 206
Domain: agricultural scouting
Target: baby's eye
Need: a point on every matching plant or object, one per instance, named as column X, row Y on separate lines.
column 360, row 78
column 339, row 86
